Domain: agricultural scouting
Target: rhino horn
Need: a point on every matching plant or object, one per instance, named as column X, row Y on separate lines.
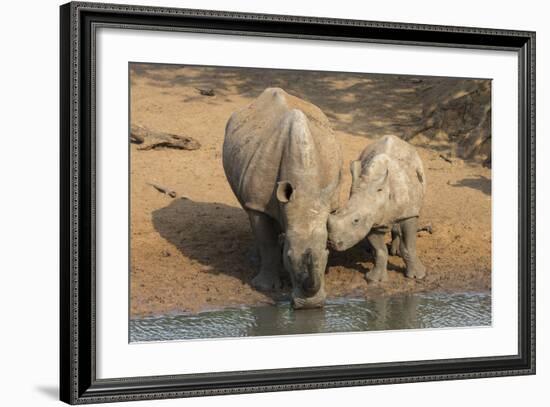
column 355, row 168
column 312, row 283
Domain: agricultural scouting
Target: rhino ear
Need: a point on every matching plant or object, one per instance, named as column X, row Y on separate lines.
column 284, row 191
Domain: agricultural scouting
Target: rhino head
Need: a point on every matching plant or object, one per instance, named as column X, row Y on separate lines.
column 304, row 204
column 304, row 247
column 366, row 207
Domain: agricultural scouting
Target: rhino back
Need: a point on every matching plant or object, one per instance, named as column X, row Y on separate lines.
column 255, row 141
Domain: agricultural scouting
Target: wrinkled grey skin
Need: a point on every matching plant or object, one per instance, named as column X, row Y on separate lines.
column 283, row 164
column 388, row 187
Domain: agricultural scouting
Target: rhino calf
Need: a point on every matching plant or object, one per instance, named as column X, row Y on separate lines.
column 283, row 163
column 388, row 187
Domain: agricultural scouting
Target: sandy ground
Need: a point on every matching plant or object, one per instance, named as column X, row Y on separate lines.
column 196, row 251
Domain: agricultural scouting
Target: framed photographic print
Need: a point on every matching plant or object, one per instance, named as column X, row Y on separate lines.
column 255, row 203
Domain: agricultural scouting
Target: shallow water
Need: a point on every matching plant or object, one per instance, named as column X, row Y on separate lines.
column 423, row 310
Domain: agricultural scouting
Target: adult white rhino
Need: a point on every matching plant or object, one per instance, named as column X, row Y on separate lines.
column 283, row 163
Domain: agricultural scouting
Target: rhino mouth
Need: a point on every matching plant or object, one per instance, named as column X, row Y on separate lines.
column 310, row 281
column 338, row 245
column 304, row 302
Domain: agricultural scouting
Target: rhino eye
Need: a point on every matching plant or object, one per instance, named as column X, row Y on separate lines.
column 355, row 221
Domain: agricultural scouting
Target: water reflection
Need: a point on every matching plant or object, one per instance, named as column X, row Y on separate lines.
column 425, row 310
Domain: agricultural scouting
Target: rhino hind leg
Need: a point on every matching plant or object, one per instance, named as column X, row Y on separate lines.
column 379, row 272
column 395, row 240
column 266, row 231
column 415, row 268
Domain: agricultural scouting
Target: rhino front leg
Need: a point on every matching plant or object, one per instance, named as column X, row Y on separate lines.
column 266, row 232
column 379, row 272
column 415, row 268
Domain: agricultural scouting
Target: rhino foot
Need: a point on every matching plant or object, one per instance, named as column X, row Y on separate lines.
column 377, row 275
column 394, row 248
column 266, row 281
column 418, row 272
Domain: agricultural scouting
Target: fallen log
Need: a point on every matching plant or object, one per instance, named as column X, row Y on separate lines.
column 150, row 139
column 206, row 92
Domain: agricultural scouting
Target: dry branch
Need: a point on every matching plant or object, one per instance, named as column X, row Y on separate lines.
column 426, row 228
column 165, row 190
column 150, row 139
column 206, row 92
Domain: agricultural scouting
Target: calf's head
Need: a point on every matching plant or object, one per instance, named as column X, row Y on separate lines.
column 369, row 196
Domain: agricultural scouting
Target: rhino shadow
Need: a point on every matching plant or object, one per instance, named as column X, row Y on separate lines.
column 215, row 235
column 358, row 255
column 218, row 237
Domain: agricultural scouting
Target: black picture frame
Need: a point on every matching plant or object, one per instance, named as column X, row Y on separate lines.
column 78, row 382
